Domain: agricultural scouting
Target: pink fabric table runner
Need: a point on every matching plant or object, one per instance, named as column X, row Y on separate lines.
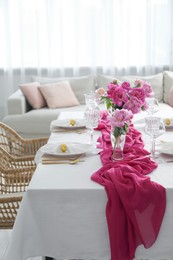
column 136, row 205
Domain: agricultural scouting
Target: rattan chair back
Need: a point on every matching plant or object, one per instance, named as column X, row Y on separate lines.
column 15, row 175
column 17, row 166
column 14, row 180
column 15, row 145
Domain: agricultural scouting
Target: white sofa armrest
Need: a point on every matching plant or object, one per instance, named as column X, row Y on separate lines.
column 17, row 103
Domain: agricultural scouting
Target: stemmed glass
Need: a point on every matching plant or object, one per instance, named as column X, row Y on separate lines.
column 153, row 105
column 154, row 128
column 91, row 99
column 92, row 116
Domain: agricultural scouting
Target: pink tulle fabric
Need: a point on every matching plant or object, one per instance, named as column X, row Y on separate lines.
column 136, row 205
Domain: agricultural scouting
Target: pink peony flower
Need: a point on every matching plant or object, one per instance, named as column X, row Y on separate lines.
column 119, row 96
column 126, row 85
column 134, row 105
column 120, row 118
column 138, row 83
column 138, row 93
column 100, row 92
column 111, row 88
column 147, row 89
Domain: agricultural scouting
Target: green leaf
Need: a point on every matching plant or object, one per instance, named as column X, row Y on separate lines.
column 143, row 108
column 126, row 127
column 108, row 103
column 123, row 131
column 117, row 131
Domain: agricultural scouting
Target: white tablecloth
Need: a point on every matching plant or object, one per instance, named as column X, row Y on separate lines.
column 62, row 214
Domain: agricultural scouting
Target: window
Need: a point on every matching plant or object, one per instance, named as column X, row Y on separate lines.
column 85, row 33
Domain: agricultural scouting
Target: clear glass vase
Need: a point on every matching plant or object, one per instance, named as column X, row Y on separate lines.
column 118, row 146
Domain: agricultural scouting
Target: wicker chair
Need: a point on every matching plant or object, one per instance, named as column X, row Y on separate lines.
column 17, row 166
column 15, row 145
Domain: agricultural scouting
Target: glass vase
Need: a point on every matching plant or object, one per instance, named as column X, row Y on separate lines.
column 117, row 146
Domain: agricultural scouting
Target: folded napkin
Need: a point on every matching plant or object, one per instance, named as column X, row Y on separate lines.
column 73, row 150
column 65, row 124
column 136, row 205
column 166, row 148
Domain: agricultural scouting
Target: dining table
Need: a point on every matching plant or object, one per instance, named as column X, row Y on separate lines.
column 62, row 214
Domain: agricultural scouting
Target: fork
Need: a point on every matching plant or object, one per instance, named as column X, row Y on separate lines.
column 78, row 131
column 62, row 162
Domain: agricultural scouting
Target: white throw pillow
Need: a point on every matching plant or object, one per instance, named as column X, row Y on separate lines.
column 167, row 83
column 59, row 95
column 79, row 85
column 156, row 82
column 170, row 97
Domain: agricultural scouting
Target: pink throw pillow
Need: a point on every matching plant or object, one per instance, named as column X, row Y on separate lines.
column 170, row 97
column 59, row 95
column 33, row 95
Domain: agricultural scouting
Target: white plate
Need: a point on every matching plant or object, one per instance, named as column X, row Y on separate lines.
column 73, row 149
column 65, row 124
column 167, row 148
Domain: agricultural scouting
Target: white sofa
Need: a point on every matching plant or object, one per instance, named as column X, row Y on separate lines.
column 31, row 123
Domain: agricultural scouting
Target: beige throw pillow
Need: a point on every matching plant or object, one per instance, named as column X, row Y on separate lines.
column 33, row 95
column 59, row 95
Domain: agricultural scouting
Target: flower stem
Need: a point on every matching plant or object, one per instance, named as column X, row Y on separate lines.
column 153, row 149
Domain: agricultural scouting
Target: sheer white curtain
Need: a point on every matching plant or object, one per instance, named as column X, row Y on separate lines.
column 76, row 37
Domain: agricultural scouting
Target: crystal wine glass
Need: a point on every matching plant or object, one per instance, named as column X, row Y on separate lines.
column 153, row 105
column 90, row 99
column 154, row 128
column 92, row 116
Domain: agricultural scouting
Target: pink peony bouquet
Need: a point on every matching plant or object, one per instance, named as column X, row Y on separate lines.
column 123, row 96
column 124, row 101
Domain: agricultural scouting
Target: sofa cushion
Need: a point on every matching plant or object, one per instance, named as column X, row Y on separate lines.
column 167, row 83
column 104, row 80
column 156, row 82
column 80, row 85
column 33, row 95
column 59, row 95
column 170, row 97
